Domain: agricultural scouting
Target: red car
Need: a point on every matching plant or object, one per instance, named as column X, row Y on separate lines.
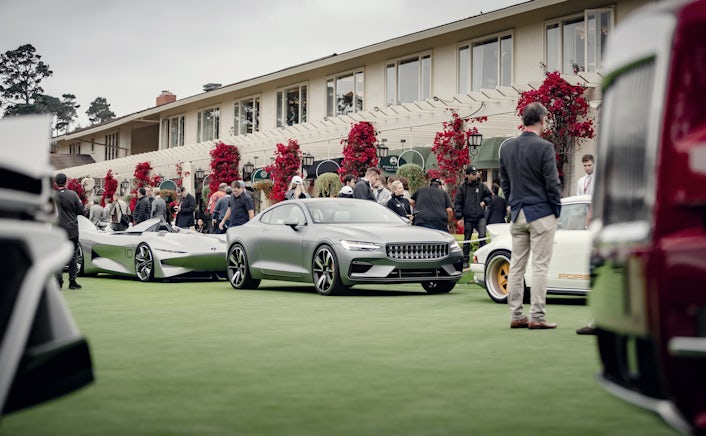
column 649, row 249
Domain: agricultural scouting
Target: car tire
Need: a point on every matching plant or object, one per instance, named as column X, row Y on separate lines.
column 325, row 272
column 238, row 269
column 144, row 263
column 497, row 269
column 438, row 287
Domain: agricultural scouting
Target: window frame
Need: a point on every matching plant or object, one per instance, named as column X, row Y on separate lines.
column 112, row 146
column 200, row 121
column 331, row 100
column 497, row 37
column 240, row 128
column 560, row 23
column 167, row 132
column 282, row 107
column 396, row 62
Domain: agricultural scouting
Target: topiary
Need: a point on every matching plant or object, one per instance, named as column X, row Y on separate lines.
column 414, row 175
column 328, row 184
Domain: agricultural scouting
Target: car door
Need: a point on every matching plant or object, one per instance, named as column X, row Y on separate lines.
column 279, row 245
column 569, row 269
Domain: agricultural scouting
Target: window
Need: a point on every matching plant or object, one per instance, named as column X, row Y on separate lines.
column 408, row 80
column 208, row 124
column 578, row 43
column 291, row 106
column 75, row 148
column 344, row 94
column 111, row 146
column 485, row 64
column 247, row 116
column 173, row 132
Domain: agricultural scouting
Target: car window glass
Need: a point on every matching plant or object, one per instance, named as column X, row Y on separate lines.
column 298, row 213
column 351, row 211
column 573, row 217
column 281, row 213
column 266, row 217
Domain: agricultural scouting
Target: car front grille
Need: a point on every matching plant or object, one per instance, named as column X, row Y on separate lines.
column 417, row 251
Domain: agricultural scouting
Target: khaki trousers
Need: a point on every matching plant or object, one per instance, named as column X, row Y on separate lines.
column 536, row 237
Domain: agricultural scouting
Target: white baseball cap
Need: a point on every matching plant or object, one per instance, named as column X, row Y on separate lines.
column 297, row 180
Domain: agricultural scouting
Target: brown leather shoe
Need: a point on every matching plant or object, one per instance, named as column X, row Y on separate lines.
column 521, row 323
column 541, row 325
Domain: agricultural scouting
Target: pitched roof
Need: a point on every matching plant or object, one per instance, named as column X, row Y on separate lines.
column 61, row 161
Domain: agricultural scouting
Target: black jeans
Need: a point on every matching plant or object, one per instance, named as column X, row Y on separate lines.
column 468, row 227
column 73, row 265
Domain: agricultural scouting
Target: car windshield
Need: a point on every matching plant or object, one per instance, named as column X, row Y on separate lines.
column 351, row 211
column 152, row 225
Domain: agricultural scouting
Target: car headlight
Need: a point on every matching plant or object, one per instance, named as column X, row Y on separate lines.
column 359, row 245
column 453, row 245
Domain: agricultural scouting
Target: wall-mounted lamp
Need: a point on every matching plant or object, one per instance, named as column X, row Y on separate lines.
column 248, row 168
column 474, row 141
column 199, row 175
column 382, row 149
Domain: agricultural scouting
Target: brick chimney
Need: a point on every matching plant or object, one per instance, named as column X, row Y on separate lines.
column 165, row 97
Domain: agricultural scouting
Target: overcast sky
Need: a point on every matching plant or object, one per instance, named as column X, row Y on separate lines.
column 128, row 51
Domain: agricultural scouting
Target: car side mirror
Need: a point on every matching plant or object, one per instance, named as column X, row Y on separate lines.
column 292, row 222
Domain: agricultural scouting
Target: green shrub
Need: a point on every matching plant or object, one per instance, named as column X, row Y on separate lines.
column 328, row 184
column 414, row 175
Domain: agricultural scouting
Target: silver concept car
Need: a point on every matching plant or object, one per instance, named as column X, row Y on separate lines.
column 337, row 243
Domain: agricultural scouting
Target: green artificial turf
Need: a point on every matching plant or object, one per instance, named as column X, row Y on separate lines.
column 195, row 358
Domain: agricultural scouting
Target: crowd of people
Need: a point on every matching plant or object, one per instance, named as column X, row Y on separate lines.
column 527, row 195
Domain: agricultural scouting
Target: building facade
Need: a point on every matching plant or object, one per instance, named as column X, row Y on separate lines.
column 405, row 86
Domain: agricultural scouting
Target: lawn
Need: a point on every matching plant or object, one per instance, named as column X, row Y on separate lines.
column 200, row 358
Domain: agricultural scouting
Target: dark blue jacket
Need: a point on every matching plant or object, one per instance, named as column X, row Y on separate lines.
column 529, row 177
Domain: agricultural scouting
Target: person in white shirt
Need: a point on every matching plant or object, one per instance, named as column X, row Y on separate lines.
column 585, row 184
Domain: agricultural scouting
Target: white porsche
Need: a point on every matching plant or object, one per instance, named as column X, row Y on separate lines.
column 569, row 269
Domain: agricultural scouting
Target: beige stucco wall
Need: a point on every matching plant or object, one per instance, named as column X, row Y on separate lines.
column 528, row 50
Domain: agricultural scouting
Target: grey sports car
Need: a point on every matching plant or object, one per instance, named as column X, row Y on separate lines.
column 338, row 243
column 150, row 250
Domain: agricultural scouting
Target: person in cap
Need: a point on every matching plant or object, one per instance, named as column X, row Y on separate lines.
column 472, row 197
column 220, row 210
column 346, row 192
column 296, row 189
column 69, row 207
column 185, row 209
column 433, row 206
column 241, row 207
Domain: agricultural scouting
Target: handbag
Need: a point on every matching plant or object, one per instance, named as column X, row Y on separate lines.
column 124, row 218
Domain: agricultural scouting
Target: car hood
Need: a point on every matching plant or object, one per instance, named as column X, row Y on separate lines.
column 388, row 233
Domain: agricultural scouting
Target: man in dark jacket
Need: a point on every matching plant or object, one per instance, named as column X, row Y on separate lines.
column 142, row 207
column 185, row 210
column 471, row 200
column 364, row 187
column 530, row 181
column 69, row 207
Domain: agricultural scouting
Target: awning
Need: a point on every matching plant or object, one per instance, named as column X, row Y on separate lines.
column 488, row 155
